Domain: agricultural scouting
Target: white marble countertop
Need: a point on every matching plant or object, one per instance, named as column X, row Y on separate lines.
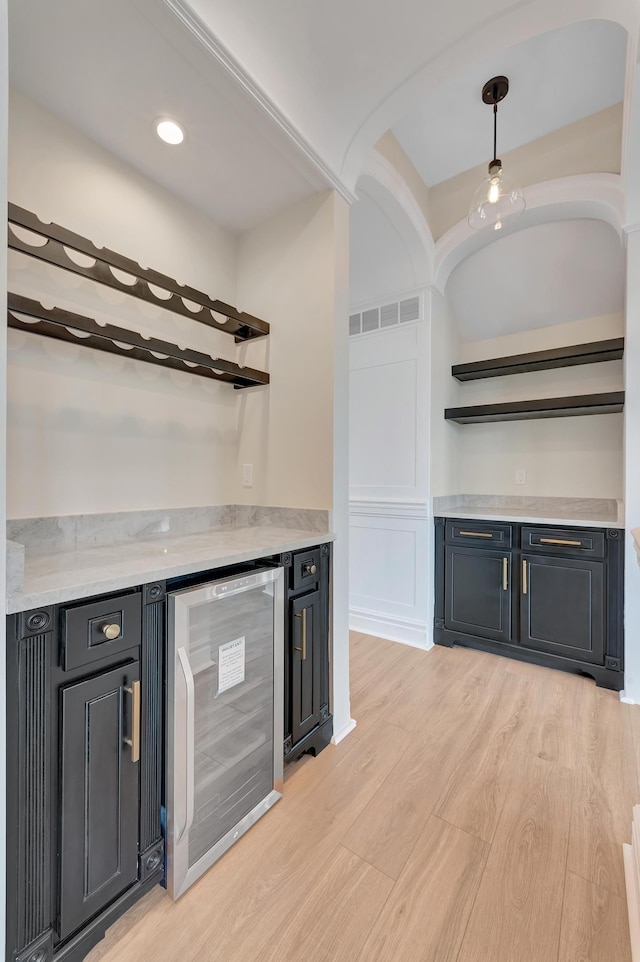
column 66, row 573
column 574, row 512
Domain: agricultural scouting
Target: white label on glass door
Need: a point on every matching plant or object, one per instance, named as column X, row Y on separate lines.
column 230, row 664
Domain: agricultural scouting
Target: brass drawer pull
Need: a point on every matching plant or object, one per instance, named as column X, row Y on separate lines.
column 303, row 650
column 134, row 741
column 111, row 631
column 505, row 574
column 568, row 544
column 524, row 577
column 476, row 534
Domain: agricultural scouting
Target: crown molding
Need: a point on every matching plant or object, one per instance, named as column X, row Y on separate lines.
column 183, row 12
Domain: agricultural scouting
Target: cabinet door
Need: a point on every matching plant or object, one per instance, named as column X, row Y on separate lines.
column 305, row 655
column 562, row 608
column 478, row 594
column 98, row 853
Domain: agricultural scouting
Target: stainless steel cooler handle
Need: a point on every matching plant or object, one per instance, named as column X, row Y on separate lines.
column 189, row 748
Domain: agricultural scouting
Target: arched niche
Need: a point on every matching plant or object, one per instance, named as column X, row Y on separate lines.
column 582, row 197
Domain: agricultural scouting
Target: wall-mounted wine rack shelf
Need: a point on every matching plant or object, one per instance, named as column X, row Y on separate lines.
column 137, row 281
column 72, row 252
column 86, row 332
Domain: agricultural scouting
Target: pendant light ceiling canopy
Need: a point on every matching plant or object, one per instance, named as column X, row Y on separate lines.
column 497, row 200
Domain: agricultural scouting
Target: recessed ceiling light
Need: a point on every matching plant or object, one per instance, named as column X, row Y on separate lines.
column 169, row 131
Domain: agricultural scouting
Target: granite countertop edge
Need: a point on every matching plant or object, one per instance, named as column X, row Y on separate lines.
column 500, row 514
column 85, row 571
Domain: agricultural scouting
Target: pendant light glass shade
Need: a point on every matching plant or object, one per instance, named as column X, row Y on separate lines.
column 496, row 201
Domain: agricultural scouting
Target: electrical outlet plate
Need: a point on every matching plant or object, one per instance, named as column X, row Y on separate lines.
column 521, row 476
column 247, row 475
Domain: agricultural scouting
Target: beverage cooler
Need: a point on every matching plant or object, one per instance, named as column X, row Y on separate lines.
column 225, row 716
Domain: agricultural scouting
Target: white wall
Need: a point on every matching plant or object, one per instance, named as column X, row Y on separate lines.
column 388, row 473
column 343, row 722
column 286, row 270
column 632, row 469
column 562, row 457
column 444, row 474
column 91, row 432
column 3, row 292
column 294, row 269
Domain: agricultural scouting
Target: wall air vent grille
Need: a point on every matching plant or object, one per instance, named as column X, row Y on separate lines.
column 354, row 324
column 385, row 316
column 410, row 309
column 388, row 315
column 370, row 320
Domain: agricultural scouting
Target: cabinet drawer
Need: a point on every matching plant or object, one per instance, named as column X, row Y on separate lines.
column 563, row 541
column 89, row 631
column 305, row 570
column 479, row 533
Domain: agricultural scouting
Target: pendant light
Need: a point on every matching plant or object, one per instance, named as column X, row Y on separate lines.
column 497, row 200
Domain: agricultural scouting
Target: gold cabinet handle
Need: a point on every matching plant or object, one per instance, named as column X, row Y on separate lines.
column 111, row 631
column 476, row 534
column 505, row 574
column 524, row 577
column 134, row 741
column 303, row 650
column 568, row 544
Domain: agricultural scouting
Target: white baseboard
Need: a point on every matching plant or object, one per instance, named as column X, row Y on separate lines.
column 627, row 699
column 631, row 855
column 348, row 728
column 407, row 632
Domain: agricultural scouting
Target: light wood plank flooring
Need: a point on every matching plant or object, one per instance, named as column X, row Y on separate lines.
column 476, row 814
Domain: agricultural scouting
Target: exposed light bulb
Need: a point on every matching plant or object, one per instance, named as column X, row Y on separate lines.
column 494, row 190
column 169, row 131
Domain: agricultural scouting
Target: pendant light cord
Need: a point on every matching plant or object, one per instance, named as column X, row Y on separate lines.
column 495, row 129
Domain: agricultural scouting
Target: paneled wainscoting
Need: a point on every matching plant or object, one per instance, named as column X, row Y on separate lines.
column 476, row 814
column 389, row 576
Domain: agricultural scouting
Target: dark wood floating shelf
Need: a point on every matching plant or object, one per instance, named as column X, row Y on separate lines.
column 558, row 407
column 593, row 353
column 139, row 281
column 86, row 332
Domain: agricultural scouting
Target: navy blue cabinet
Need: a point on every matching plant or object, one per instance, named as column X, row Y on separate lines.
column 553, row 596
column 84, row 769
column 308, row 723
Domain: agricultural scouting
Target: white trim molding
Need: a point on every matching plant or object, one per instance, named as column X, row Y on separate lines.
column 393, row 628
column 348, row 728
column 381, row 508
column 196, row 26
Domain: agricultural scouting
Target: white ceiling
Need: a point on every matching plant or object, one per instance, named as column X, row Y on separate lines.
column 111, row 68
column 549, row 274
column 274, row 96
column 555, row 79
column 323, row 71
